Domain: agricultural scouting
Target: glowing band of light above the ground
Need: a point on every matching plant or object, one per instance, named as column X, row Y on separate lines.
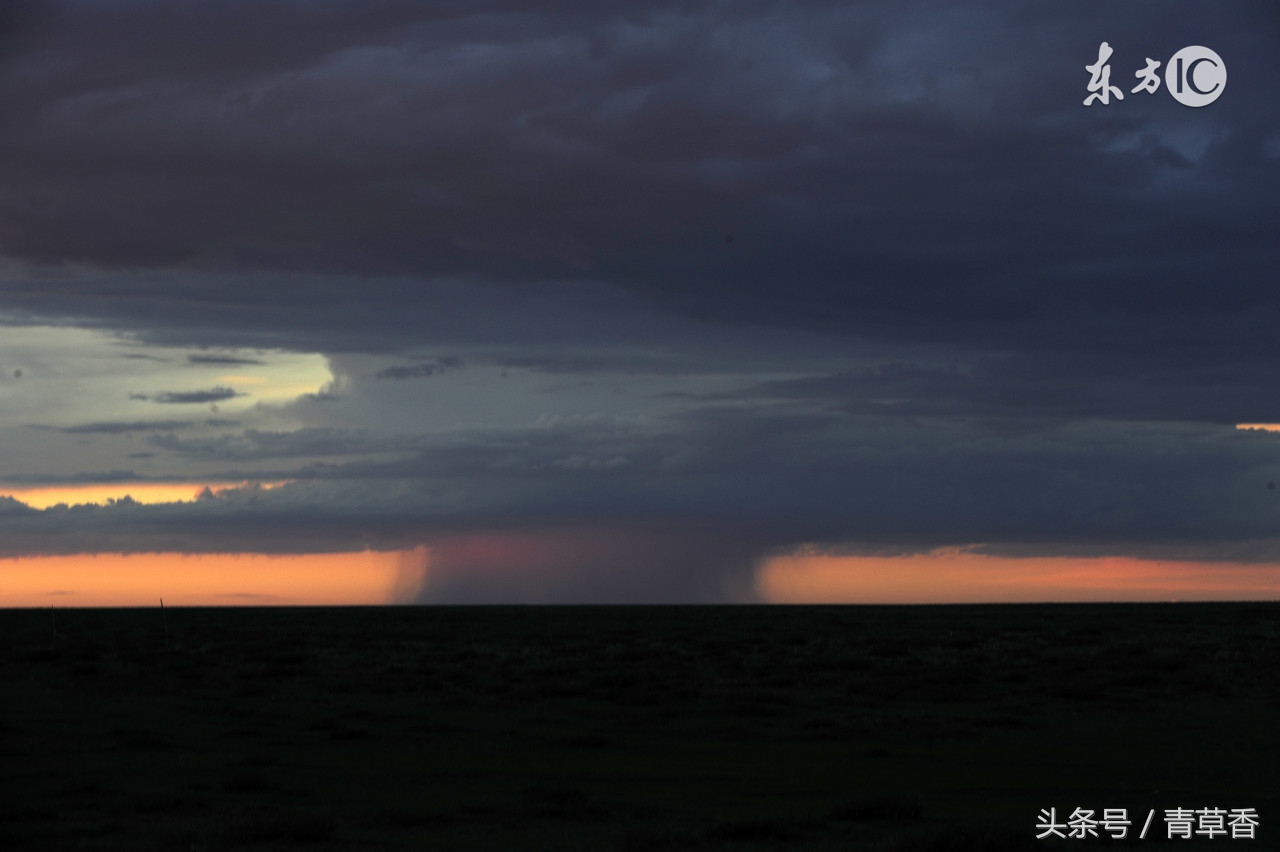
column 393, row 577
column 149, row 493
column 212, row 579
column 960, row 576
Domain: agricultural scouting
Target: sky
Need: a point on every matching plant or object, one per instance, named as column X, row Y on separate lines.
column 639, row 303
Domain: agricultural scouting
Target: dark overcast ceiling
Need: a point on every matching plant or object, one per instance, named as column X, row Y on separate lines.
column 919, row 171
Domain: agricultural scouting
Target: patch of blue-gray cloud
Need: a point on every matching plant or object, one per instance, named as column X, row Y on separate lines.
column 121, row 427
column 222, row 360
column 217, row 394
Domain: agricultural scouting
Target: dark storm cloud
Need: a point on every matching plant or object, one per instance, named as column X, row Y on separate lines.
column 590, row 509
column 1047, row 386
column 127, row 527
column 10, row 506
column 618, row 363
column 690, row 518
column 419, row 371
column 216, row 394
column 571, row 443
column 825, row 476
column 916, row 171
column 95, row 476
column 255, row 445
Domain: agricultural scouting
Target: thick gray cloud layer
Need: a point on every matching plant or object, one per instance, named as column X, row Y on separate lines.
column 921, row 169
column 854, row 272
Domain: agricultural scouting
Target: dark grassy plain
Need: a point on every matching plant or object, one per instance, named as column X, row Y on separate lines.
column 913, row 729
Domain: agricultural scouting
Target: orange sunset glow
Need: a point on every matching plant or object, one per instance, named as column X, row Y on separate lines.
column 952, row 575
column 44, row 496
column 960, row 576
column 212, row 579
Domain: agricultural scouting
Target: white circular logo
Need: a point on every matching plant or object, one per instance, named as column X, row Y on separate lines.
column 1195, row 76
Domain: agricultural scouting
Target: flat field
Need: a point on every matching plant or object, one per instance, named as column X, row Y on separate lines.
column 632, row 728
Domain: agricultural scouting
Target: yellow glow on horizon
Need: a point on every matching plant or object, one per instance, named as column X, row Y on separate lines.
column 44, row 496
column 212, row 579
column 960, row 576
column 1261, row 427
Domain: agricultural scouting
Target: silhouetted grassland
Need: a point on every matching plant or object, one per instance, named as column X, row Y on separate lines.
column 642, row 728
